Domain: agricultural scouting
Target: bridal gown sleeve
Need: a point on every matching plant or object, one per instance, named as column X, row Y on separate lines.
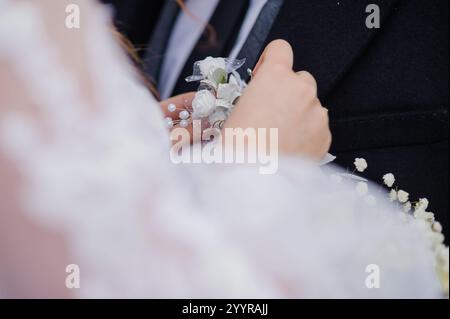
column 85, row 179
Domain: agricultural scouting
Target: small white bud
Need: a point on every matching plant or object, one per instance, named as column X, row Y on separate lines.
column 389, row 180
column 361, row 164
column 402, row 196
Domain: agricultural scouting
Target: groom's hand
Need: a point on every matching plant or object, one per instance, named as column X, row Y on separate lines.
column 277, row 97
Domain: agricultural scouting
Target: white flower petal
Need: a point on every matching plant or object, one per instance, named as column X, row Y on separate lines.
column 203, row 104
column 224, row 104
column 228, row 92
column 209, row 65
column 218, row 116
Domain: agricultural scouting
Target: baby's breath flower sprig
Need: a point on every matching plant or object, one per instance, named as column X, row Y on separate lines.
column 411, row 212
column 425, row 221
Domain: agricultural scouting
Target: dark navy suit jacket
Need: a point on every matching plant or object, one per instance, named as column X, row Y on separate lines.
column 386, row 89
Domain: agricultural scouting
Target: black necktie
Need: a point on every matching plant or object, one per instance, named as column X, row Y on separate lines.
column 226, row 22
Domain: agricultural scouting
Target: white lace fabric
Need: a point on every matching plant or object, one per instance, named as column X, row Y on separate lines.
column 94, row 176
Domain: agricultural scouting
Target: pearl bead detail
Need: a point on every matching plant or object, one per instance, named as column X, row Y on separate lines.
column 171, row 108
column 184, row 115
column 169, row 122
column 184, row 123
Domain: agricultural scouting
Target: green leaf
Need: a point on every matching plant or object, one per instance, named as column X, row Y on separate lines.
column 219, row 76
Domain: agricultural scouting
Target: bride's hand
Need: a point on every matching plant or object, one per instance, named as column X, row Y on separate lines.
column 277, row 97
column 180, row 101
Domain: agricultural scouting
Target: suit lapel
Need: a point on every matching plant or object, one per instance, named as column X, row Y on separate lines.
column 327, row 36
column 155, row 51
column 254, row 44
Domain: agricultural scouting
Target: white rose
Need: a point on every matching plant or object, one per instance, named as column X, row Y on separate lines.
column 228, row 92
column 210, row 65
column 218, row 116
column 203, row 104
